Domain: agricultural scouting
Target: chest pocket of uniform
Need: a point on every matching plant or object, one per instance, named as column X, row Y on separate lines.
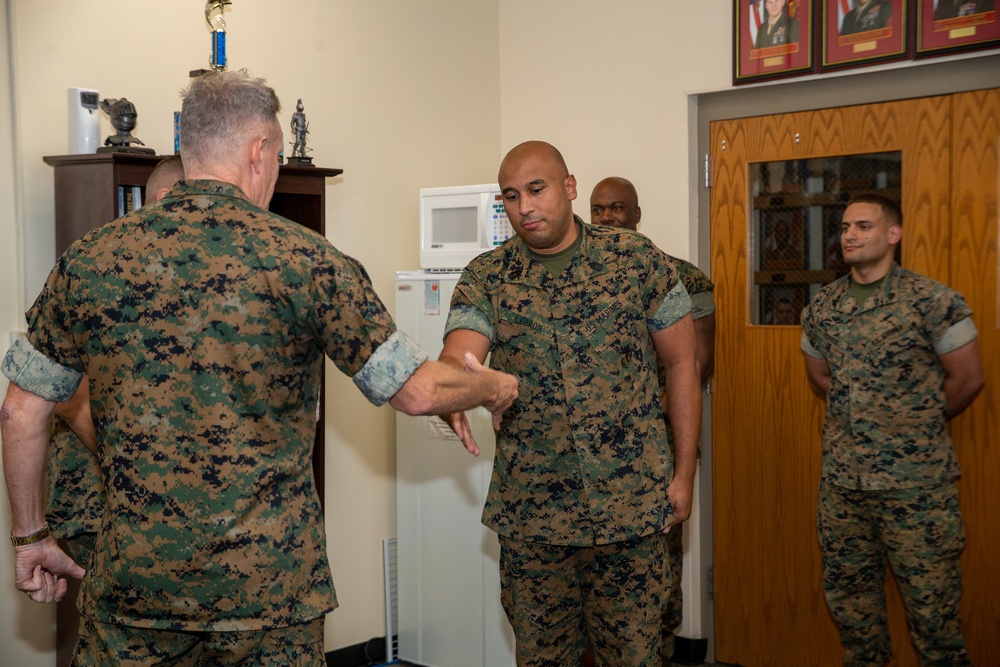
column 615, row 339
column 892, row 342
column 830, row 348
column 520, row 344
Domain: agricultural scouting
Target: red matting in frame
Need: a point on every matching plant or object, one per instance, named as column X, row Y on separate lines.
column 858, row 33
column 770, row 62
column 944, row 26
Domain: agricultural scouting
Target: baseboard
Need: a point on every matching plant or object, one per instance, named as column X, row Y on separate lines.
column 366, row 654
column 689, row 651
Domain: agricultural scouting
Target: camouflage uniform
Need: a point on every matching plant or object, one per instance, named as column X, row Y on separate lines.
column 700, row 289
column 582, row 458
column 887, row 486
column 202, row 321
column 75, row 491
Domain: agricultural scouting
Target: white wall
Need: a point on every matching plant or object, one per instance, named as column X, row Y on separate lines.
column 608, row 84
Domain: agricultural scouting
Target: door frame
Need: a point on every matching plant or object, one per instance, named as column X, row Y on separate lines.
column 892, row 83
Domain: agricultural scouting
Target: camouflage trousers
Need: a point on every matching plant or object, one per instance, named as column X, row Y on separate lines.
column 919, row 533
column 110, row 645
column 559, row 597
column 673, row 608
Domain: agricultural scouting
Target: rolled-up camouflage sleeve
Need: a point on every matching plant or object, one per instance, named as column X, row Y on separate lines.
column 676, row 304
column 808, row 348
column 702, row 304
column 32, row 371
column 388, row 369
column 468, row 317
column 957, row 335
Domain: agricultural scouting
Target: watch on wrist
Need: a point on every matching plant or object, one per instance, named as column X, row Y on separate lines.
column 36, row 536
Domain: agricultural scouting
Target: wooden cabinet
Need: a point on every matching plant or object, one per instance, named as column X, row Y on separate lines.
column 91, row 189
column 87, row 191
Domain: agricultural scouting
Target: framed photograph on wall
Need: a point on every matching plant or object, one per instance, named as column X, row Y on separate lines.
column 772, row 39
column 945, row 26
column 862, row 32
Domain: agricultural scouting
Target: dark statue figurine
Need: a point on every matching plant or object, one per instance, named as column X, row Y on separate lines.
column 300, row 128
column 123, row 118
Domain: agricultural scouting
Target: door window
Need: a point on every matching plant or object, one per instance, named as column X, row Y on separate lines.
column 795, row 212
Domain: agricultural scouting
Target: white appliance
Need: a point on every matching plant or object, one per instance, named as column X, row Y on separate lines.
column 460, row 222
column 448, row 562
column 83, row 120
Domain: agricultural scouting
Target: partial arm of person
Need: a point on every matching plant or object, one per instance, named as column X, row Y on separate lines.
column 675, row 346
column 76, row 413
column 963, row 377
column 455, row 383
column 818, row 372
column 39, row 567
column 704, row 330
column 437, row 388
column 459, row 346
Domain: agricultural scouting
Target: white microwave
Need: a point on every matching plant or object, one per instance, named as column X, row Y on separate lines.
column 460, row 222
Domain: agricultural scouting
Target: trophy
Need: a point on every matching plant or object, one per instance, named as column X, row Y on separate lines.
column 214, row 17
column 123, row 118
column 214, row 10
column 300, row 128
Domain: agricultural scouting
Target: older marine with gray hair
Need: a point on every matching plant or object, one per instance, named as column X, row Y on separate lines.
column 202, row 321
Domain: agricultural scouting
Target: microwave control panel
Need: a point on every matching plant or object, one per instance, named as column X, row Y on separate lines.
column 499, row 225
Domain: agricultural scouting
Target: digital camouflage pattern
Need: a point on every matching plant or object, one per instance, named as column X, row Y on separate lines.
column 885, row 412
column 202, row 321
column 75, row 494
column 886, row 485
column 700, row 288
column 622, row 627
column 582, row 455
column 698, row 285
column 29, row 369
column 919, row 532
column 300, row 645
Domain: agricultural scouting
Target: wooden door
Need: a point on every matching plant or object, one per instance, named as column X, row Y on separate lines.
column 769, row 607
column 975, row 182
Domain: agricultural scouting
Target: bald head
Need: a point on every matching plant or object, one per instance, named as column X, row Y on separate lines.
column 538, row 193
column 614, row 202
column 535, row 151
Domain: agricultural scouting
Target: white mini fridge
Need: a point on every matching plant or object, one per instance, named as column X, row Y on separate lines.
column 449, row 611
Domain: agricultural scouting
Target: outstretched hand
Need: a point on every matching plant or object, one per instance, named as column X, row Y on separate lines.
column 506, row 389
column 459, row 423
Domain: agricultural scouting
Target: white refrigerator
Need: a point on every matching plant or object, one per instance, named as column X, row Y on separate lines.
column 449, row 611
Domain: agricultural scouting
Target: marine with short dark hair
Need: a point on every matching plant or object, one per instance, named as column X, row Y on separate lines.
column 894, row 354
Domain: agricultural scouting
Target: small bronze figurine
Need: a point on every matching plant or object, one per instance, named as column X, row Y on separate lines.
column 123, row 118
column 300, row 128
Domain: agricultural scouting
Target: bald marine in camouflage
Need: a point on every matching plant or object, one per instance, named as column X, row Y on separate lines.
column 583, row 482
column 202, row 322
column 895, row 356
column 614, row 202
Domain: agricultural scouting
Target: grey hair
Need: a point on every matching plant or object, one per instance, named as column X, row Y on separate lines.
column 217, row 111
